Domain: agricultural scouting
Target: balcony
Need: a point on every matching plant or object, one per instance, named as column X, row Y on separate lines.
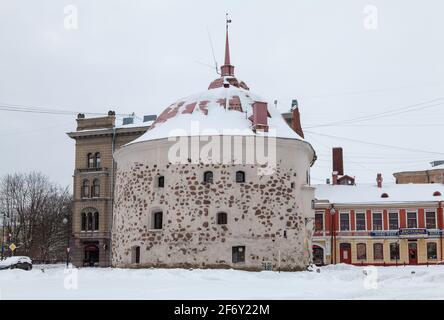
column 92, row 234
column 89, row 170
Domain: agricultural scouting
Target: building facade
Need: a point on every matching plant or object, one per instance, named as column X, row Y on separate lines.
column 432, row 174
column 204, row 211
column 378, row 224
column 93, row 184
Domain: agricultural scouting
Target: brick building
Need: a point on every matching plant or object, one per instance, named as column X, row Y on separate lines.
column 93, row 184
column 378, row 224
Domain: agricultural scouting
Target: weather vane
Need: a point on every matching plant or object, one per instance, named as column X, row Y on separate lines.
column 228, row 20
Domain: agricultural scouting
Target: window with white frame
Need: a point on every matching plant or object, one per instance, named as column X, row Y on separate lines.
column 360, row 221
column 393, row 221
column 344, row 221
column 430, row 220
column 411, row 220
column 319, row 221
column 377, row 221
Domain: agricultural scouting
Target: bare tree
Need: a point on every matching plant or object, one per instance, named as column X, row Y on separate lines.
column 36, row 209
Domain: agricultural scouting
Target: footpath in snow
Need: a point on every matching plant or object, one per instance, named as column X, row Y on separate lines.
column 332, row 282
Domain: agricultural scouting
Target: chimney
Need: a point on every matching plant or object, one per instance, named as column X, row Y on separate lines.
column 260, row 116
column 379, row 180
column 338, row 162
column 335, row 178
column 296, row 119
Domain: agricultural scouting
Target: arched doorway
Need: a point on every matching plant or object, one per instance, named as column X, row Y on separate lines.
column 318, row 255
column 91, row 256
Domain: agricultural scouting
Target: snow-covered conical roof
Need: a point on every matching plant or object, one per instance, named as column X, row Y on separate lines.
column 225, row 108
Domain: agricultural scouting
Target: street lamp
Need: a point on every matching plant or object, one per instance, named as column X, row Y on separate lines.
column 65, row 222
column 3, row 234
column 333, row 234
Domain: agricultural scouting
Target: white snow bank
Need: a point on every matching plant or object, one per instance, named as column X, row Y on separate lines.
column 332, row 282
column 14, row 260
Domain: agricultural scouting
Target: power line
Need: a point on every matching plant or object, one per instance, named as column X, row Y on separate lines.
column 375, row 144
column 392, row 112
column 44, row 110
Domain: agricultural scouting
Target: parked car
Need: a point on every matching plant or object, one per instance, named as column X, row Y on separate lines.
column 21, row 262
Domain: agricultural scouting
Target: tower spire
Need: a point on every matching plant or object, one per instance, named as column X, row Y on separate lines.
column 227, row 69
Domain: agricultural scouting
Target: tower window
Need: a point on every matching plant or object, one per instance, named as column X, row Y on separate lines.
column 90, row 221
column 157, row 220
column 208, row 177
column 161, row 182
column 96, row 221
column 90, row 160
column 97, row 162
column 240, row 177
column 83, row 221
column 96, row 188
column 85, row 189
column 222, row 218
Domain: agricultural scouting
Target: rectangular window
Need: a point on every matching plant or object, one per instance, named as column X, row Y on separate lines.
column 238, row 254
column 360, row 221
column 344, row 221
column 378, row 251
column 411, row 220
column 319, row 221
column 430, row 220
column 394, row 251
column 361, row 251
column 157, row 223
column 431, row 251
column 393, row 221
column 377, row 221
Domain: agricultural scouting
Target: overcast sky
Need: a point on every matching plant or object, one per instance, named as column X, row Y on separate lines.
column 140, row 56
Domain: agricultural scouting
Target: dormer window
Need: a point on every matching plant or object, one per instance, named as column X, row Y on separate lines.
column 437, row 194
column 384, row 195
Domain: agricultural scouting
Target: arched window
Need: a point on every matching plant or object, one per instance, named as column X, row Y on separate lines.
column 222, row 218
column 83, row 221
column 157, row 220
column 90, row 221
column 361, row 251
column 95, row 192
column 90, row 160
column 240, row 176
column 85, row 188
column 161, row 181
column 97, row 163
column 96, row 221
column 378, row 251
column 208, row 177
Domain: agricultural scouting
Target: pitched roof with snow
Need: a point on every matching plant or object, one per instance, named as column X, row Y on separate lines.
column 371, row 194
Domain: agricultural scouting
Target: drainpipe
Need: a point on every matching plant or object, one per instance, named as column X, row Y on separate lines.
column 333, row 235
column 113, row 148
column 440, row 227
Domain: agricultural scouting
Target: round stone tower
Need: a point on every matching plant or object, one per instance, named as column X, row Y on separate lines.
column 219, row 180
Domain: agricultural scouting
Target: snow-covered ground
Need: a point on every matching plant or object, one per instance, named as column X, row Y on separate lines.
column 332, row 282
